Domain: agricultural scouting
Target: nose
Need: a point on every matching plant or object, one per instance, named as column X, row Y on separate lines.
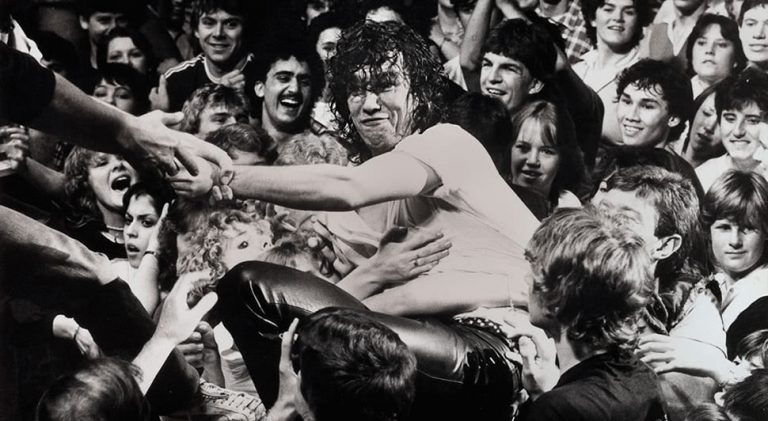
column 739, row 130
column 709, row 48
column 230, row 120
column 293, row 85
column 110, row 98
column 532, row 158
column 219, row 31
column 760, row 34
column 123, row 59
column 371, row 102
column 130, row 229
column 735, row 240
column 710, row 124
column 631, row 113
column 617, row 15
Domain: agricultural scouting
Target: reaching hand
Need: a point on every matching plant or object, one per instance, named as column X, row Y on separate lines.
column 149, row 136
column 178, row 320
column 667, row 353
column 86, row 344
column 538, row 352
column 158, row 96
column 234, row 79
column 284, row 407
column 194, row 185
column 405, row 254
column 14, row 148
column 200, row 348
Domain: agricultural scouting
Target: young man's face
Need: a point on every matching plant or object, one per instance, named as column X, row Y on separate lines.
column 616, row 22
column 507, row 79
column 221, row 37
column 287, row 92
column 100, row 23
column 216, row 116
column 382, row 118
column 753, row 31
column 740, row 131
column 644, row 117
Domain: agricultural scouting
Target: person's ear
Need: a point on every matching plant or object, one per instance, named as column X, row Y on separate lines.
column 259, row 89
column 666, row 247
column 84, row 23
column 536, row 87
column 673, row 121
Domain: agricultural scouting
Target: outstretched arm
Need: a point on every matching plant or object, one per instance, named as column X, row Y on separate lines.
column 391, row 176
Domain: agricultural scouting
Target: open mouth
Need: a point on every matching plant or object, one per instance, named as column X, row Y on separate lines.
column 494, row 92
column 616, row 28
column 291, row 101
column 121, row 183
column 631, row 130
column 531, row 174
column 130, row 248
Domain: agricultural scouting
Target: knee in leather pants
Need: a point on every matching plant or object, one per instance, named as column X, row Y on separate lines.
column 462, row 371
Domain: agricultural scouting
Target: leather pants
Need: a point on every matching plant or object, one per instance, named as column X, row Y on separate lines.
column 462, row 370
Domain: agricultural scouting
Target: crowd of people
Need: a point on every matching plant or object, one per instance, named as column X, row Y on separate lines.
column 384, row 210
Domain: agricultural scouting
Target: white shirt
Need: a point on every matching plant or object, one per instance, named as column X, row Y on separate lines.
column 712, row 169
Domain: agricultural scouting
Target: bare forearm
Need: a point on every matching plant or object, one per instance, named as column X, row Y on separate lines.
column 46, row 180
column 82, row 120
column 475, row 34
column 361, row 283
column 308, row 187
column 441, row 294
column 151, row 359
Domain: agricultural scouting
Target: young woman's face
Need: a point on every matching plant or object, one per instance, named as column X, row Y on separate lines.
column 121, row 96
column 534, row 163
column 123, row 50
column 713, row 56
column 737, row 248
column 110, row 176
column 616, row 23
column 740, row 131
column 705, row 131
column 243, row 242
column 140, row 221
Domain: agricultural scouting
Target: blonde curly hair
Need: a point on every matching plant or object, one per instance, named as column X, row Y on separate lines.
column 204, row 244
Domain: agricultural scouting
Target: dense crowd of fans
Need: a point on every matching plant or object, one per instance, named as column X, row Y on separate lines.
column 384, row 210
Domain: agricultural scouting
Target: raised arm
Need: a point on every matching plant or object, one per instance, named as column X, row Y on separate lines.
column 391, row 176
column 61, row 109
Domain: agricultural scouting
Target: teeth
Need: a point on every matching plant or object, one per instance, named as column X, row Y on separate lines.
column 494, row 91
column 631, row 130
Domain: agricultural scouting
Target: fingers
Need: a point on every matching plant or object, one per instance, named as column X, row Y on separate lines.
column 434, row 251
column 205, row 305
column 528, row 352
column 286, row 344
column 421, row 238
column 219, row 158
column 187, row 159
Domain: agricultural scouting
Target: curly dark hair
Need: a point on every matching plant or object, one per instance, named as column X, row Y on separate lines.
column 674, row 86
column 373, row 47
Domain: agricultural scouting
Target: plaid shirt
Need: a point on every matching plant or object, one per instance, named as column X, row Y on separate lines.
column 574, row 31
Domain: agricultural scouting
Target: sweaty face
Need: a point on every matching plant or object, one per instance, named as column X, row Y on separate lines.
column 705, row 131
column 753, row 32
column 534, row 163
column 110, row 176
column 643, row 116
column 123, row 50
column 244, row 242
column 381, row 110
column 287, row 93
column 506, row 79
column 615, row 23
column 99, row 23
column 737, row 248
column 140, row 220
column 120, row 96
column 220, row 35
column 740, row 131
column 713, row 56
column 216, row 116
